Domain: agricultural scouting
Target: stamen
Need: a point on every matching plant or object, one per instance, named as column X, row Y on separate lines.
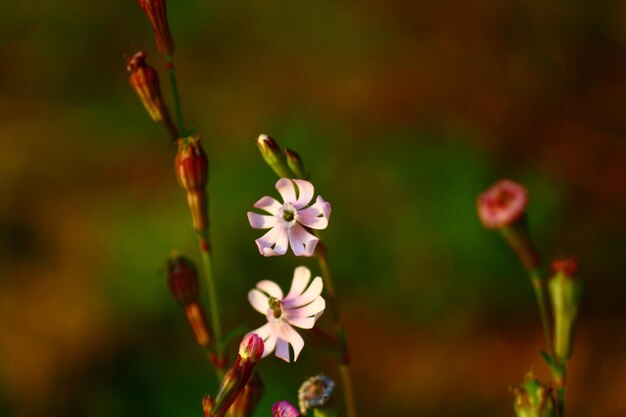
column 274, row 304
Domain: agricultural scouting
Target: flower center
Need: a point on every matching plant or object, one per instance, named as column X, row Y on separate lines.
column 289, row 213
column 275, row 306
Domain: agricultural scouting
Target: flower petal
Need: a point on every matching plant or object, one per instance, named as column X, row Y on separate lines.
column 305, row 195
column 303, row 322
column 271, row 288
column 274, row 242
column 324, row 205
column 308, row 310
column 259, row 301
column 268, row 204
column 282, row 349
column 260, row 221
column 268, row 345
column 312, row 217
column 301, row 277
column 302, row 242
column 263, row 332
column 314, row 291
column 294, row 339
column 287, row 190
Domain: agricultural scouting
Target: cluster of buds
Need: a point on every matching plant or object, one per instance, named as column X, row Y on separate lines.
column 157, row 13
column 287, row 164
column 145, row 81
column 565, row 293
column 503, row 207
column 533, row 399
column 192, row 172
column 182, row 280
column 236, row 379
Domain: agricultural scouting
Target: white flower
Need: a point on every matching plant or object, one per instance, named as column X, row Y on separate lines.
column 301, row 308
column 289, row 221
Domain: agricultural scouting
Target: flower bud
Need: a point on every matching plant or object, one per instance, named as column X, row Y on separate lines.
column 532, row 399
column 503, row 207
column 236, row 378
column 295, row 163
column 502, row 204
column 192, row 166
column 248, row 399
column 273, row 156
column 565, row 294
column 157, row 13
column 182, row 279
column 251, row 348
column 284, row 409
column 145, row 81
column 183, row 283
column 315, row 392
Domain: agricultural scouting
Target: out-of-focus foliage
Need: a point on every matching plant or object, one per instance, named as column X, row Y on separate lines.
column 402, row 111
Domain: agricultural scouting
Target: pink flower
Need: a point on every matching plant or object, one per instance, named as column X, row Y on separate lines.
column 301, row 308
column 284, row 409
column 502, row 204
column 289, row 222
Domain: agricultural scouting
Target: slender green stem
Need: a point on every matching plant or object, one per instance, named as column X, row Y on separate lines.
column 542, row 302
column 205, row 251
column 560, row 401
column 169, row 63
column 344, row 364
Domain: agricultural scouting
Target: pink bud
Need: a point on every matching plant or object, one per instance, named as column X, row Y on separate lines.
column 284, row 409
column 502, row 204
column 251, row 348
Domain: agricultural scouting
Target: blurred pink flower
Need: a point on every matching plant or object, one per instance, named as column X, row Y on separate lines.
column 284, row 409
column 288, row 222
column 502, row 204
column 301, row 308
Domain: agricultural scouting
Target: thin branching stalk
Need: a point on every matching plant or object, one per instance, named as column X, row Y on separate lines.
column 344, row 363
column 169, row 64
column 542, row 303
column 205, row 251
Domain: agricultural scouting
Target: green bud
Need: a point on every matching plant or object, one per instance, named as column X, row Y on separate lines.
column 295, row 163
column 565, row 294
column 273, row 156
column 533, row 399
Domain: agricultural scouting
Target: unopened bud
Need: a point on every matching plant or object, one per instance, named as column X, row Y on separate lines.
column 284, row 409
column 157, row 13
column 236, row 378
column 251, row 348
column 565, row 295
column 182, row 279
column 145, row 81
column 192, row 167
column 248, row 399
column 316, row 392
column 295, row 163
column 502, row 204
column 503, row 207
column 273, row 156
column 533, row 399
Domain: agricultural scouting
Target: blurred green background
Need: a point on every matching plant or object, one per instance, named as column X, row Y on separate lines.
column 403, row 112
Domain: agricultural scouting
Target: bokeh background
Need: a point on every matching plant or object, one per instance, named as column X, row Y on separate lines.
column 402, row 110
